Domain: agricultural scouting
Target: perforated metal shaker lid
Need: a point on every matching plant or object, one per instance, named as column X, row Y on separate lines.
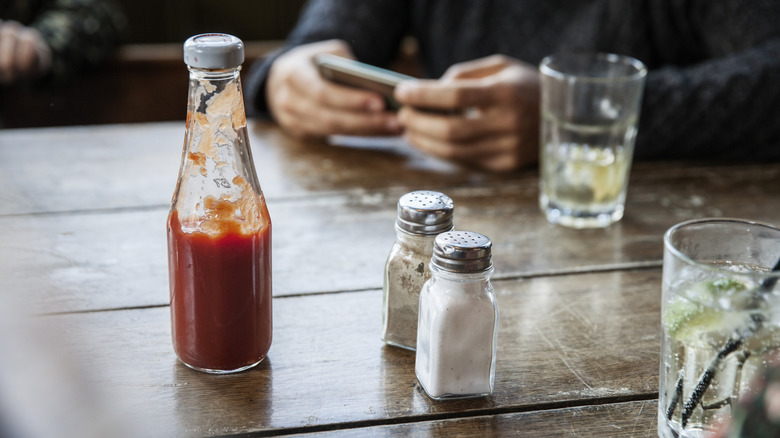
column 462, row 251
column 213, row 51
column 425, row 212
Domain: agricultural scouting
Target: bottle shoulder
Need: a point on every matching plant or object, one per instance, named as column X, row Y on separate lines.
column 218, row 187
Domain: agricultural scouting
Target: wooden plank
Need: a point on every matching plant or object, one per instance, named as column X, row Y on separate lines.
column 126, row 166
column 563, row 341
column 629, row 419
column 335, row 242
column 80, row 168
column 123, row 166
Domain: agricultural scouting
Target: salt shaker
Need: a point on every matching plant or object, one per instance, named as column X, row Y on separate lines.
column 458, row 319
column 421, row 216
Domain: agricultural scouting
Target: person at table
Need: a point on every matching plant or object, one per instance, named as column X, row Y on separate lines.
column 712, row 88
column 53, row 41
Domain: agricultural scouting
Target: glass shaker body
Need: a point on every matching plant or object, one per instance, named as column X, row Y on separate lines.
column 457, row 332
column 219, row 229
column 406, row 271
column 421, row 216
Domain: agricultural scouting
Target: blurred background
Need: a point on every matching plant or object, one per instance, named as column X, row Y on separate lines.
column 173, row 21
column 146, row 79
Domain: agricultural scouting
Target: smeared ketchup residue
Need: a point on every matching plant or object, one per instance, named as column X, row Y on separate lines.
column 220, row 292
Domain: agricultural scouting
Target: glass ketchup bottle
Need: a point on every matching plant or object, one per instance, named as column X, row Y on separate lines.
column 219, row 229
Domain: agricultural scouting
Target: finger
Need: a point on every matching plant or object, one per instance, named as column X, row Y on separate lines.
column 452, row 95
column 299, row 70
column 26, row 53
column 335, row 95
column 332, row 95
column 460, row 127
column 334, row 47
column 302, row 114
column 334, row 124
column 341, row 122
column 8, row 31
column 305, row 106
column 477, row 68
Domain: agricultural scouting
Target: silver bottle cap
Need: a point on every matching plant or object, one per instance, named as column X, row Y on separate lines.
column 425, row 212
column 213, row 51
column 462, row 251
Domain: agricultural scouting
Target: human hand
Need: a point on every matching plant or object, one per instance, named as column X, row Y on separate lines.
column 309, row 106
column 23, row 52
column 485, row 113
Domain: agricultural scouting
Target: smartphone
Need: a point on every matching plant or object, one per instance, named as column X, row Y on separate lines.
column 347, row 71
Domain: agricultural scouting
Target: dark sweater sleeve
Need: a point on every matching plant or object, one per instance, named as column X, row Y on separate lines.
column 717, row 95
column 724, row 109
column 374, row 30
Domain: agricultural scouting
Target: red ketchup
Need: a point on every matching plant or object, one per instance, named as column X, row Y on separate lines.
column 220, row 295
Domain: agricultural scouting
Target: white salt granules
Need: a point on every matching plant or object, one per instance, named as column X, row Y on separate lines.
column 458, row 321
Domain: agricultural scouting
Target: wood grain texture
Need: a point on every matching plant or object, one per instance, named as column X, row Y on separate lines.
column 115, row 258
column 562, row 342
column 625, row 420
column 82, row 240
column 136, row 165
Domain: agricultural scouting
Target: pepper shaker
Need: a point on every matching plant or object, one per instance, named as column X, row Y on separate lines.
column 458, row 319
column 421, row 216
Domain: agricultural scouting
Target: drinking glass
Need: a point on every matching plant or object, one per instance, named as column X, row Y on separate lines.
column 720, row 319
column 590, row 108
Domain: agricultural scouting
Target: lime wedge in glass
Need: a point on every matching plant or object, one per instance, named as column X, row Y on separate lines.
column 696, row 318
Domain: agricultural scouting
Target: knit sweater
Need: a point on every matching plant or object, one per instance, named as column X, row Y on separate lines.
column 713, row 87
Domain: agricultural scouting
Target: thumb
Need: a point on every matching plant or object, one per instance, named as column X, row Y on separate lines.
column 478, row 68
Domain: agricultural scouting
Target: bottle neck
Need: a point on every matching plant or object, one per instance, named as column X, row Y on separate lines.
column 216, row 93
column 203, row 74
column 420, row 243
column 216, row 104
column 217, row 162
column 461, row 277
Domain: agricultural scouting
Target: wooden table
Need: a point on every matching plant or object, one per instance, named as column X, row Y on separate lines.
column 83, row 250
